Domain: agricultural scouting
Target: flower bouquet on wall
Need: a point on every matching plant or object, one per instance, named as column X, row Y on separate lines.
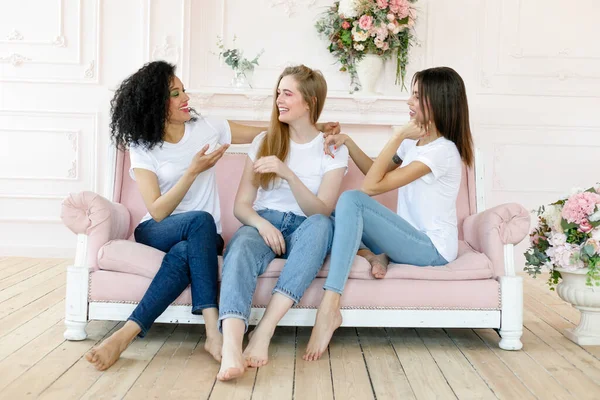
column 362, row 34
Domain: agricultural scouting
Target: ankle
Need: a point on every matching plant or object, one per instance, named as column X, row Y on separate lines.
column 264, row 329
column 331, row 302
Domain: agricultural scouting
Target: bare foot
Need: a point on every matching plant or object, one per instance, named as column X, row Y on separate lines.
column 108, row 352
column 214, row 345
column 379, row 264
column 326, row 323
column 232, row 364
column 257, row 351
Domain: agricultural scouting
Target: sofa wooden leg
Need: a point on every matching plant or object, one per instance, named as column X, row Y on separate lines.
column 75, row 330
column 511, row 323
column 76, row 297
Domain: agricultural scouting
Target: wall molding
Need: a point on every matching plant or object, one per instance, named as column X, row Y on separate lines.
column 57, row 40
column 290, row 6
column 495, row 148
column 80, row 71
column 506, row 68
column 72, row 135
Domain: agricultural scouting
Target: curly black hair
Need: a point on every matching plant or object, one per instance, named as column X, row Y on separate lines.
column 139, row 107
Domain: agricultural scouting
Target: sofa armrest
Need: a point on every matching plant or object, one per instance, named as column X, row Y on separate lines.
column 88, row 213
column 490, row 230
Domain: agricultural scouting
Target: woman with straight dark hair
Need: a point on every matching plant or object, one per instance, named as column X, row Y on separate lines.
column 423, row 161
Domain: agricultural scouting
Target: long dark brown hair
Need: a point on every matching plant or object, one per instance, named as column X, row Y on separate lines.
column 442, row 91
column 313, row 88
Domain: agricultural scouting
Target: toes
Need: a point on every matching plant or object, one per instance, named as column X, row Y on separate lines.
column 91, row 356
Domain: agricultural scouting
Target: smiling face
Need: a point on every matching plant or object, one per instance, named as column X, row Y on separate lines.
column 290, row 101
column 179, row 111
column 414, row 106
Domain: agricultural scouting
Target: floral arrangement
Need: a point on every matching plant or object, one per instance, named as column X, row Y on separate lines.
column 235, row 58
column 355, row 28
column 567, row 236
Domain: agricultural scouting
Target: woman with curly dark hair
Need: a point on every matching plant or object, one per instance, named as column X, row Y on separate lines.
column 172, row 156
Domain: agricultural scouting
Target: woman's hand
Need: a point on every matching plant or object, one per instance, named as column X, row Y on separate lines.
column 202, row 161
column 272, row 164
column 412, row 130
column 329, row 128
column 272, row 237
column 335, row 140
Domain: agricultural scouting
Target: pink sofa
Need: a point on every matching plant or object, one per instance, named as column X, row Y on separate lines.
column 478, row 290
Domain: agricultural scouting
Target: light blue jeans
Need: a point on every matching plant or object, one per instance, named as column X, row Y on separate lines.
column 307, row 243
column 358, row 216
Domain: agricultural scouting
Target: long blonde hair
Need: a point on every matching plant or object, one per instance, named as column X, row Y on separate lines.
column 313, row 88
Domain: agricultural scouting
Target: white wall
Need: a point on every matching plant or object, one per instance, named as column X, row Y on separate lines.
column 531, row 68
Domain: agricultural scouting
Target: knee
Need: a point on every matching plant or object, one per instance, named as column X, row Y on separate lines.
column 243, row 239
column 320, row 223
column 320, row 227
column 202, row 219
column 350, row 198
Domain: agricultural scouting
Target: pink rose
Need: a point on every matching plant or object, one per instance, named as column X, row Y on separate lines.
column 381, row 32
column 346, row 25
column 391, row 17
column 585, row 226
column 386, row 46
column 365, row 22
column 382, row 4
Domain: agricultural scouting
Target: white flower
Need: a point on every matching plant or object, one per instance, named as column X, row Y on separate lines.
column 558, row 239
column 596, row 234
column 595, row 217
column 567, row 257
column 347, row 8
column 552, row 215
column 576, row 190
column 359, row 47
column 359, row 36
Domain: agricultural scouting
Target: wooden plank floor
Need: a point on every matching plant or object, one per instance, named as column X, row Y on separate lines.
column 363, row 363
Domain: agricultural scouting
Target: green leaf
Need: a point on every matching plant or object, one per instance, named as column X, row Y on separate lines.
column 567, row 225
column 589, row 250
column 346, row 38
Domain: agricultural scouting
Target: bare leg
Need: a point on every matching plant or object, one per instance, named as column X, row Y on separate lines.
column 379, row 262
column 257, row 351
column 109, row 351
column 329, row 318
column 214, row 339
column 232, row 364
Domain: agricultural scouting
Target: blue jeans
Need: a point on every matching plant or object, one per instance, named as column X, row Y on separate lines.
column 192, row 245
column 307, row 243
column 358, row 216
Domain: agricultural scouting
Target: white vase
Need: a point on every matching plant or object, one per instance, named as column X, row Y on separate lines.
column 368, row 71
column 586, row 299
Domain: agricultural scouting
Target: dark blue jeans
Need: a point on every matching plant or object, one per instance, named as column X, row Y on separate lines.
column 192, row 245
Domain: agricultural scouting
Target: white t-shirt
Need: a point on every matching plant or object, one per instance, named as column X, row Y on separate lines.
column 309, row 162
column 171, row 160
column 429, row 203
